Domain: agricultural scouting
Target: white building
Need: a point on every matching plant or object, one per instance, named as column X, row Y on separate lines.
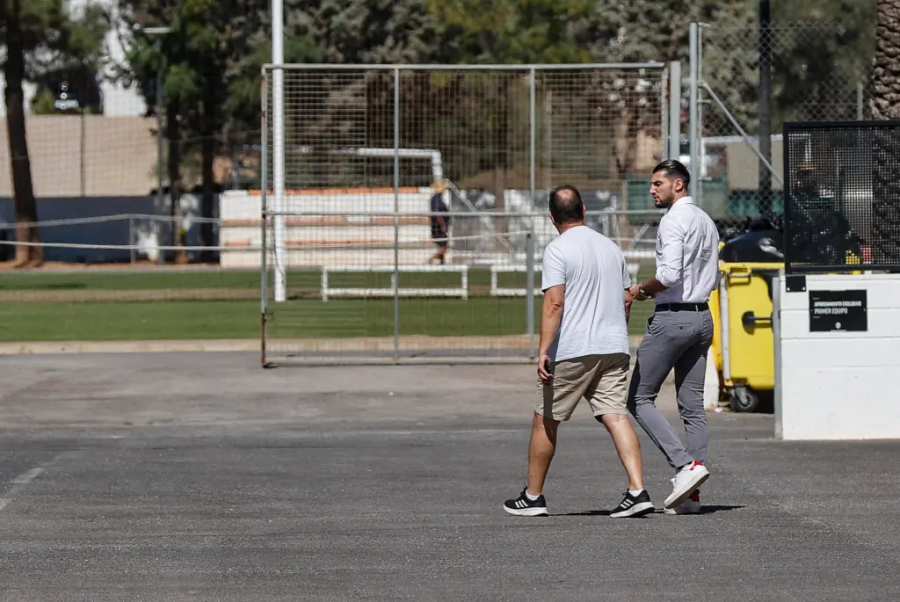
column 117, row 100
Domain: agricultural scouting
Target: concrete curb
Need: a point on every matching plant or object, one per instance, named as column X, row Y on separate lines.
column 246, row 345
column 66, row 347
column 190, row 346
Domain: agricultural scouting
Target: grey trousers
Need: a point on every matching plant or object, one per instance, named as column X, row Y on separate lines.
column 679, row 340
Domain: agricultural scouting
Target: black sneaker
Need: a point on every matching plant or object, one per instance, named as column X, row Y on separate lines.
column 522, row 506
column 634, row 505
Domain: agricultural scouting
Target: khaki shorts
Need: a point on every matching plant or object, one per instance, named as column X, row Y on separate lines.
column 601, row 379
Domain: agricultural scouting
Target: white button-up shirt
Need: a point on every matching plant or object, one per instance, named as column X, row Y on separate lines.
column 687, row 254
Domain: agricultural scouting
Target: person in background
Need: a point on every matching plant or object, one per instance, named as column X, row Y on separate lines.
column 440, row 224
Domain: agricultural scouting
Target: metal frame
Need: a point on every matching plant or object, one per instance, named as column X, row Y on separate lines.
column 777, row 283
column 694, row 115
column 697, row 84
column 264, row 166
column 674, row 110
column 467, row 67
column 276, row 213
column 805, row 126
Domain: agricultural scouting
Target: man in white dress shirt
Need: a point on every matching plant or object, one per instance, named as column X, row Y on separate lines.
column 679, row 333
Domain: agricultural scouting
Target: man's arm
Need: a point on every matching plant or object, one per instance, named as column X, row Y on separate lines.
column 551, row 316
column 553, row 283
column 651, row 288
column 669, row 268
column 629, row 300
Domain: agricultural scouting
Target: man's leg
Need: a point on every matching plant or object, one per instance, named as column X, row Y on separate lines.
column 690, row 376
column 555, row 404
column 656, row 357
column 628, row 446
column 540, row 452
column 608, row 396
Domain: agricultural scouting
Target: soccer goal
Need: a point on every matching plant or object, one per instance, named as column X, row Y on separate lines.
column 390, row 193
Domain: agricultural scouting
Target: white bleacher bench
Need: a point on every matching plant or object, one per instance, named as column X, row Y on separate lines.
column 497, row 291
column 462, row 291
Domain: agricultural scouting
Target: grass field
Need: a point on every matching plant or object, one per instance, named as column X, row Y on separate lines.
column 159, row 304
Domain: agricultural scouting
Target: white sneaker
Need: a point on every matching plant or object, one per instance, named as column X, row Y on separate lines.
column 686, row 482
column 689, row 506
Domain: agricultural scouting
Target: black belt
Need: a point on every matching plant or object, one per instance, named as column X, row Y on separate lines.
column 682, row 307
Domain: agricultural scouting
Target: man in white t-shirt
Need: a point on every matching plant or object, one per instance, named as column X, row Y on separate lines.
column 584, row 351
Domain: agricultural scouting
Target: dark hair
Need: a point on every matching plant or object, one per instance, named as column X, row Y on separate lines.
column 566, row 205
column 674, row 169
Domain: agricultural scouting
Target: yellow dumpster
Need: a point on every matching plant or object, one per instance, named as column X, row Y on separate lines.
column 743, row 339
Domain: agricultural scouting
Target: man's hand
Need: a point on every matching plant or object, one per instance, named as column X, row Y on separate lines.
column 543, row 363
column 652, row 288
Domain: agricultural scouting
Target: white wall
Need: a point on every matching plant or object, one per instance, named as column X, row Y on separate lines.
column 838, row 385
column 359, row 239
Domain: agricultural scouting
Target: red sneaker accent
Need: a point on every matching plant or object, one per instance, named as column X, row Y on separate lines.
column 695, row 497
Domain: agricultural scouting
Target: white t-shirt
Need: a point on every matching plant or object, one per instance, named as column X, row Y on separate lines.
column 593, row 270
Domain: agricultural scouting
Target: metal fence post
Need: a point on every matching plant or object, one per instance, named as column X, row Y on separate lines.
column 532, row 118
column 264, row 212
column 529, row 290
column 664, row 112
column 675, row 110
column 694, row 120
column 396, row 278
column 765, row 106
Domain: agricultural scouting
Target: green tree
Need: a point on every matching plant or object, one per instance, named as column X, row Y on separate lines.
column 645, row 30
column 212, row 56
column 344, row 108
column 40, row 36
column 152, row 63
column 193, row 58
column 821, row 54
column 491, row 108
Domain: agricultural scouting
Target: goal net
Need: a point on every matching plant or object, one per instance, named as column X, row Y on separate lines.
column 398, row 203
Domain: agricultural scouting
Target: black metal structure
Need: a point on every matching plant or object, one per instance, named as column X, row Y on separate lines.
column 842, row 196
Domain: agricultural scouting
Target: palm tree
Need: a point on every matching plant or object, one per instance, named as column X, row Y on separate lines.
column 885, row 104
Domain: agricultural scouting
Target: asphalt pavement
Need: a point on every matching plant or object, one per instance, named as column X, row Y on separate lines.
column 204, row 477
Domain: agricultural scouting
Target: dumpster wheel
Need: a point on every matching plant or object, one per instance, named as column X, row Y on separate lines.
column 744, row 399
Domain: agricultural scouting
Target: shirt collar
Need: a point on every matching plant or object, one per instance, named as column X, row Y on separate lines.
column 683, row 201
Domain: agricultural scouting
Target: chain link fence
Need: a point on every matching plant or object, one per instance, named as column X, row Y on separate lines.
column 406, row 208
column 808, row 71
